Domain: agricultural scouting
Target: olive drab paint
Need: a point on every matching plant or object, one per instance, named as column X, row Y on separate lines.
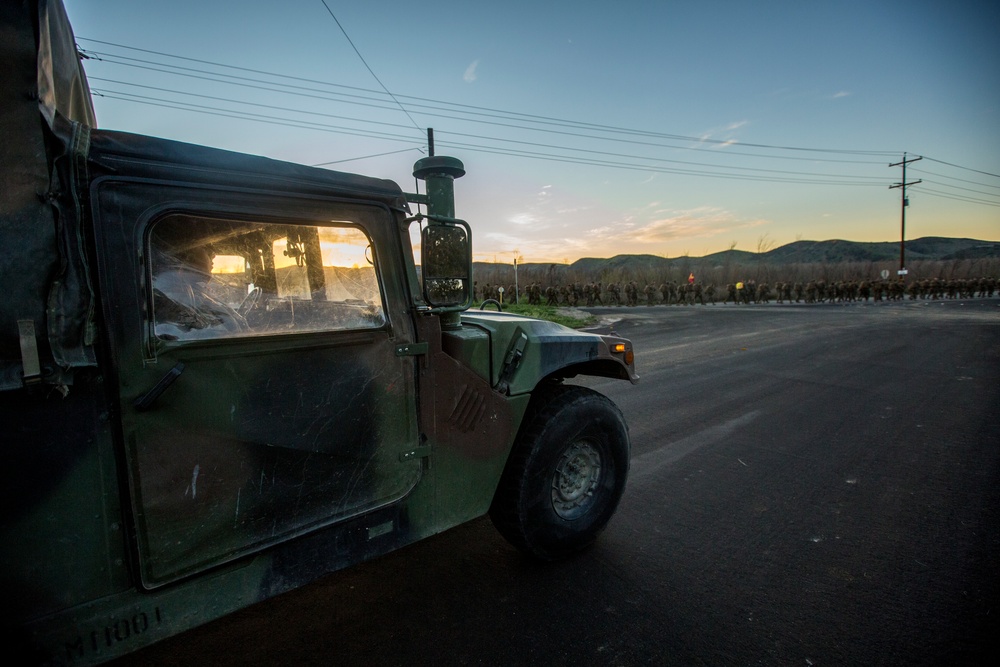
column 202, row 408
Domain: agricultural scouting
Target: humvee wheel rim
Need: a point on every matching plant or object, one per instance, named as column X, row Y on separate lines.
column 575, row 481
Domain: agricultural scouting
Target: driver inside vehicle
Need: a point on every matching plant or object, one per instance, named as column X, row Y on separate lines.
column 183, row 306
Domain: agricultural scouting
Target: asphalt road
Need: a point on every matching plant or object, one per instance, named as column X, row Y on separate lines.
column 810, row 485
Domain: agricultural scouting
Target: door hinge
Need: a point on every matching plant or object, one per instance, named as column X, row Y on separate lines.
column 412, row 349
column 416, row 453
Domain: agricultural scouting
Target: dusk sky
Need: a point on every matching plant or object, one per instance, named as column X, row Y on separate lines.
column 590, row 129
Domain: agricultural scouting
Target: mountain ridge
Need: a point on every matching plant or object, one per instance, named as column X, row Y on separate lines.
column 928, row 248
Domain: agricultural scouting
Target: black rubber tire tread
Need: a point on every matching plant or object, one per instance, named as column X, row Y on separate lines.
column 522, row 508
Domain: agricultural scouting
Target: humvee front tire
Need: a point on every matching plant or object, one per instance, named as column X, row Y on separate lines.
column 565, row 475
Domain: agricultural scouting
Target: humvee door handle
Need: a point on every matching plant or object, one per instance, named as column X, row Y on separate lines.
column 146, row 401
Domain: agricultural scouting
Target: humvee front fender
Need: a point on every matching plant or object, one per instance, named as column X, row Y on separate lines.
column 524, row 352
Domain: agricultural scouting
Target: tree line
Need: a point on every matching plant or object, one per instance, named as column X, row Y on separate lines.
column 720, row 275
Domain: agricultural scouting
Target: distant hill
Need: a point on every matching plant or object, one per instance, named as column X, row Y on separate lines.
column 798, row 252
column 634, row 262
column 812, row 252
column 801, row 260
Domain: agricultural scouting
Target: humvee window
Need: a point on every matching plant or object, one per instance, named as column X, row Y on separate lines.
column 214, row 278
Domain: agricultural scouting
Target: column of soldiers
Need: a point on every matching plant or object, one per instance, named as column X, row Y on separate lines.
column 690, row 293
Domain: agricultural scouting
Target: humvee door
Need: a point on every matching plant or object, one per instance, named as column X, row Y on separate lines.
column 261, row 392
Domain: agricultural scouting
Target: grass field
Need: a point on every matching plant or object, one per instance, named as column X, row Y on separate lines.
column 569, row 317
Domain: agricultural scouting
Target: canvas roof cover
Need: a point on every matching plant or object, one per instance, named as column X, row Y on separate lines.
column 43, row 84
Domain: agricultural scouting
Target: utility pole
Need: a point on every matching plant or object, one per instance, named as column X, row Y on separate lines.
column 904, row 203
column 517, row 289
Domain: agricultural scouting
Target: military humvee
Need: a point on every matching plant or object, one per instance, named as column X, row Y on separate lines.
column 223, row 376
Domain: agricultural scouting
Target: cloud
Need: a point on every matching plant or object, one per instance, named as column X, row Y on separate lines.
column 504, row 240
column 556, row 250
column 842, row 93
column 723, row 136
column 546, row 208
column 571, row 210
column 533, row 249
column 470, row 72
column 697, row 222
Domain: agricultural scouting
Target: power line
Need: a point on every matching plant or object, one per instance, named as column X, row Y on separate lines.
column 319, row 90
column 370, row 70
column 814, row 179
column 935, row 193
column 475, row 136
column 364, row 157
column 654, row 159
column 245, row 115
column 243, row 102
column 958, row 187
column 211, row 76
column 651, row 168
column 306, row 125
column 961, row 167
column 482, row 110
column 955, row 178
column 499, row 151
